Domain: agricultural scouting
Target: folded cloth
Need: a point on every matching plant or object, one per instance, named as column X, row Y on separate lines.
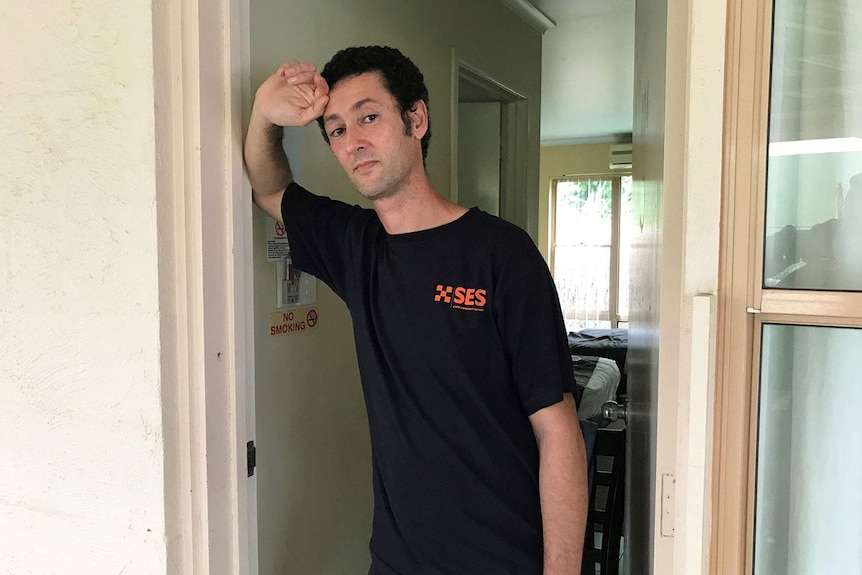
column 599, row 378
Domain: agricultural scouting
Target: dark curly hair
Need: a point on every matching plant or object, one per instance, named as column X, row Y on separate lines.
column 400, row 75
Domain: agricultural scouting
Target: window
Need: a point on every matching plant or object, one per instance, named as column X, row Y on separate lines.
column 590, row 237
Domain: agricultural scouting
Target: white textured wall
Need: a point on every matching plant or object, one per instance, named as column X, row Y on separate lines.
column 81, row 472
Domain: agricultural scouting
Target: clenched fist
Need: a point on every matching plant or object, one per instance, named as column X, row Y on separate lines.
column 295, row 95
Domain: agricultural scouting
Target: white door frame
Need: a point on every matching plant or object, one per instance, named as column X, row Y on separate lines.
column 513, row 154
column 201, row 76
column 202, row 92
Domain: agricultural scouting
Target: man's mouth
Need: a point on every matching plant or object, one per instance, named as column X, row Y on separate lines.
column 362, row 166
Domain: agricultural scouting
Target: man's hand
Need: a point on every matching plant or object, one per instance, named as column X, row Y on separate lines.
column 295, row 95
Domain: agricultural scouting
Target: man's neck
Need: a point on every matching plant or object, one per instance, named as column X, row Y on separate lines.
column 416, row 207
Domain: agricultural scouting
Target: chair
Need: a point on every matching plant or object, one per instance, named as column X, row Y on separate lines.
column 605, row 514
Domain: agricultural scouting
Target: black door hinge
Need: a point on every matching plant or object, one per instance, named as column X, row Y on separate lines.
column 250, row 457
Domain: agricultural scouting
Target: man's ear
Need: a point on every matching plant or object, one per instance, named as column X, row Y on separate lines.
column 418, row 116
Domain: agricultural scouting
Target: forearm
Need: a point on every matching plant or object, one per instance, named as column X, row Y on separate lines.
column 265, row 160
column 563, row 493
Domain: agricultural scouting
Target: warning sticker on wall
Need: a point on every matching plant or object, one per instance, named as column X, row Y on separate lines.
column 277, row 246
column 292, row 321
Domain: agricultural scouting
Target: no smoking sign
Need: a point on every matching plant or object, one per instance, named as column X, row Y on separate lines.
column 292, row 321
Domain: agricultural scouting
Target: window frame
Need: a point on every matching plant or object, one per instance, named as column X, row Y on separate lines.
column 744, row 304
column 612, row 314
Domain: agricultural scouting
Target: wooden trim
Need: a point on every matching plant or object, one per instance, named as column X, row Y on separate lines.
column 816, row 321
column 743, row 186
column 182, row 503
column 552, row 226
column 614, row 277
column 811, row 303
column 744, row 305
column 453, row 128
column 237, row 40
column 597, row 175
column 204, row 254
column 697, row 433
column 759, row 142
column 753, row 429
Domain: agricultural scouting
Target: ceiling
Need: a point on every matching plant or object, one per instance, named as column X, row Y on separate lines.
column 587, row 71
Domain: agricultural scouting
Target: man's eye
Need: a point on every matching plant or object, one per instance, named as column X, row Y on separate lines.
column 370, row 118
column 336, row 132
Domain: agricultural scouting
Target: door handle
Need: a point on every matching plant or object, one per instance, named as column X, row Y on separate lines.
column 613, row 411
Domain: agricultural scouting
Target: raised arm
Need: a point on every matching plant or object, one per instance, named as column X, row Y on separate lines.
column 295, row 95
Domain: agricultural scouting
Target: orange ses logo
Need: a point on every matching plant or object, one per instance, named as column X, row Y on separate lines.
column 469, row 299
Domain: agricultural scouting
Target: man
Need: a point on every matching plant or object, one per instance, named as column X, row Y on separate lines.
column 478, row 461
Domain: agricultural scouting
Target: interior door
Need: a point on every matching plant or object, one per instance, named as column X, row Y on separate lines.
column 645, row 298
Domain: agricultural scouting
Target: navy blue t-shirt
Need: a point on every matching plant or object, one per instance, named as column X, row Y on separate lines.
column 459, row 338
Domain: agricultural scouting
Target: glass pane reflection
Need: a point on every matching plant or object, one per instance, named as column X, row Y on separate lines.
column 814, row 185
column 808, row 502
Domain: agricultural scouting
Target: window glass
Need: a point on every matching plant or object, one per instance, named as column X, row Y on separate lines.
column 808, row 501
column 582, row 251
column 814, row 175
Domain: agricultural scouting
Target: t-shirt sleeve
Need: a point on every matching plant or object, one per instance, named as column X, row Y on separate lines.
column 318, row 229
column 531, row 324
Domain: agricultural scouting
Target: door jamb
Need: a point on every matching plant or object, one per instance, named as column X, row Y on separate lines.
column 201, row 84
column 513, row 139
column 743, row 176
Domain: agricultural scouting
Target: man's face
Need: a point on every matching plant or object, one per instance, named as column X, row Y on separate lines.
column 369, row 138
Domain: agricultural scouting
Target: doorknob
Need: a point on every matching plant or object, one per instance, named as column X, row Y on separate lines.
column 612, row 411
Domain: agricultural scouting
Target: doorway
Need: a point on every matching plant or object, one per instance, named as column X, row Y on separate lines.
column 321, row 176
column 486, row 158
column 489, row 150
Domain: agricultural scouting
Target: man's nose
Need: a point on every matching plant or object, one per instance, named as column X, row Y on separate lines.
column 355, row 141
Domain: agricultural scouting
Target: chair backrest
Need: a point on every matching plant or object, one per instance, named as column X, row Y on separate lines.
column 605, row 513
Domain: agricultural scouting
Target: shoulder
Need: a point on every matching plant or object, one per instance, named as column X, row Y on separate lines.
column 298, row 203
column 497, row 230
column 504, row 249
column 502, row 238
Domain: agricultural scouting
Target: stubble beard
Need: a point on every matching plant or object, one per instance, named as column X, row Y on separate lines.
column 387, row 183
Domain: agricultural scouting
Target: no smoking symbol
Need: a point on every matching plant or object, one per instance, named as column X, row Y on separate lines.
column 279, row 229
column 311, row 318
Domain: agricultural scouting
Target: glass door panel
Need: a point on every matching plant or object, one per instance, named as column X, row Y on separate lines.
column 808, row 501
column 814, row 174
